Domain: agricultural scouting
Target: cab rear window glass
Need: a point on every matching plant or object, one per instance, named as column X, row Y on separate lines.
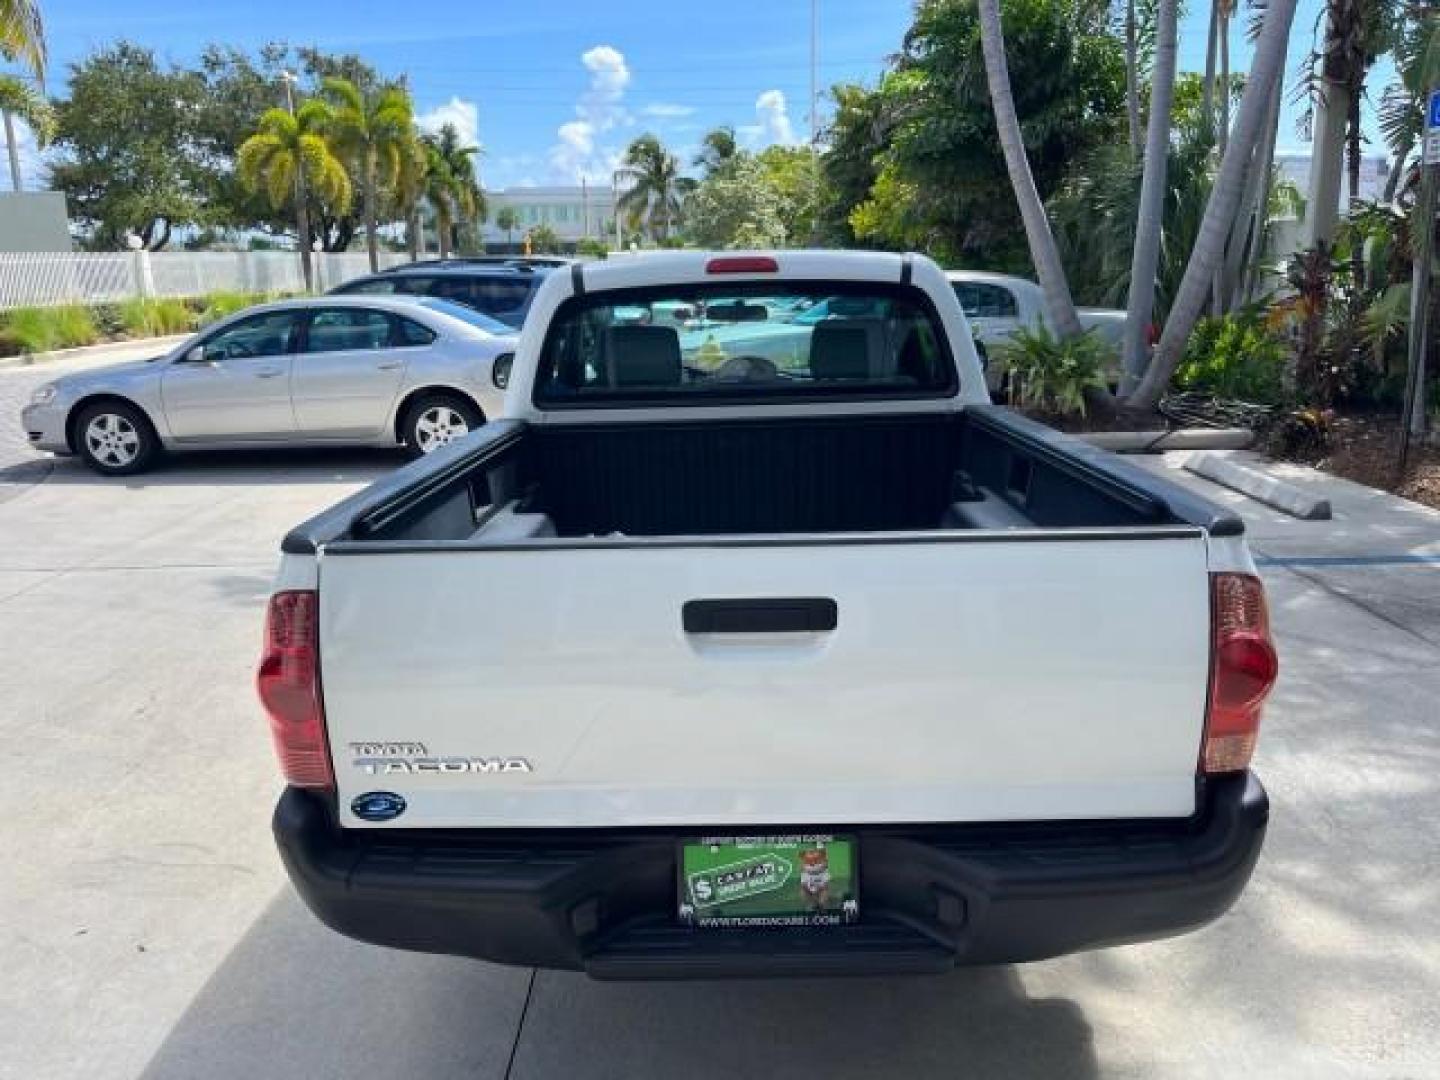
column 705, row 344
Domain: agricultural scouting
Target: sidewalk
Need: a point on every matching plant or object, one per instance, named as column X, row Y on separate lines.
column 111, row 352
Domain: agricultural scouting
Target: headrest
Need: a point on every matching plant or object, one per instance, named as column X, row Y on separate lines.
column 846, row 348
column 643, row 355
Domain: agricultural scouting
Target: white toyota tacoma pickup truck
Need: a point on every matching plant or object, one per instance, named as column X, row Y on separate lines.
column 730, row 665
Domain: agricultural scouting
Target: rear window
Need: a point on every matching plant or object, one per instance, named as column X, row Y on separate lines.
column 710, row 344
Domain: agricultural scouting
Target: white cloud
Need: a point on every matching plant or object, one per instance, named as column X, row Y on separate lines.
column 464, row 115
column 774, row 116
column 577, row 151
column 664, row 110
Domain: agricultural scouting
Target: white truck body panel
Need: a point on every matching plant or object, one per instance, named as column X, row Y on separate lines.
column 968, row 679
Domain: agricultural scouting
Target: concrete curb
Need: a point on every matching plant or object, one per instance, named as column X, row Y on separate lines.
column 1259, row 486
column 97, row 353
column 1155, row 442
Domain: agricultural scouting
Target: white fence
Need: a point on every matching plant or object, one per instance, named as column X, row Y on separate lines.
column 73, row 277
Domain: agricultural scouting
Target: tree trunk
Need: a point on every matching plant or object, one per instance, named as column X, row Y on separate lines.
column 13, row 148
column 1132, row 80
column 1266, row 69
column 1223, row 132
column 1207, row 88
column 1327, row 147
column 442, row 229
column 1249, row 221
column 412, row 233
column 371, row 224
column 302, row 223
column 1145, row 259
column 1397, row 172
column 1264, row 164
column 1059, row 305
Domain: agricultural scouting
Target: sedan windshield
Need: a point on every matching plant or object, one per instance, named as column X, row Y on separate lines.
column 477, row 319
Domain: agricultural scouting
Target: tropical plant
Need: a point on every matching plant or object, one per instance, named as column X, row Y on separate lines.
column 656, row 189
column 1059, row 306
column 543, row 240
column 1402, row 109
column 22, row 34
column 1266, row 68
column 371, row 128
column 596, row 249
column 506, row 218
column 716, row 148
column 1054, row 375
column 1238, row 357
column 154, row 318
column 40, row 329
column 19, row 99
column 288, row 157
column 451, row 186
column 736, row 206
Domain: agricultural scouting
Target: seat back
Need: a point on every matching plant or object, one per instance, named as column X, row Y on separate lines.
column 643, row 356
column 847, row 349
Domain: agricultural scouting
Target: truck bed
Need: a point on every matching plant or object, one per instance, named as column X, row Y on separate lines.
column 983, row 468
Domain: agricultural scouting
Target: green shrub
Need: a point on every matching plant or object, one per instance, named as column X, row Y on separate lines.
column 9, row 343
column 74, row 326
column 154, row 318
column 597, row 249
column 1050, row 375
column 221, row 305
column 107, row 319
column 33, row 329
column 1237, row 357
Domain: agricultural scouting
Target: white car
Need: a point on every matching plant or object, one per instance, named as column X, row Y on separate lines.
column 831, row 669
column 329, row 371
column 999, row 304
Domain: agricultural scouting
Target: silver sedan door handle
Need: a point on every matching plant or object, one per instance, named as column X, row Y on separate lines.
column 268, row 373
column 388, row 365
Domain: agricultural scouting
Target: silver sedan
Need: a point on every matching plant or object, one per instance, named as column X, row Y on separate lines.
column 416, row 372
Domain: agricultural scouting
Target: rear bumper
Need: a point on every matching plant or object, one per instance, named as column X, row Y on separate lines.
column 931, row 897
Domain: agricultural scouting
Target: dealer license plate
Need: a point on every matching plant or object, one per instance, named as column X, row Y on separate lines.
column 747, row 881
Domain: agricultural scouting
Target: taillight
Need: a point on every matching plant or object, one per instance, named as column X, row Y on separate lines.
column 289, row 685
column 1243, row 667
column 742, row 264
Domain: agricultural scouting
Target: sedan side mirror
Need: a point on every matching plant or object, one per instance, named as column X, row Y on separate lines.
column 500, row 370
column 195, row 355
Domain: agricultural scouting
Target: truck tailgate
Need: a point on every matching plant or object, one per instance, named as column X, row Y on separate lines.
column 973, row 677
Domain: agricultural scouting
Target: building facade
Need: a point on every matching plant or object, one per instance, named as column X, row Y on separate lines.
column 575, row 213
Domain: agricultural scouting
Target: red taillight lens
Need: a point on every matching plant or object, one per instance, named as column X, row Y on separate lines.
column 289, row 685
column 742, row 264
column 1243, row 668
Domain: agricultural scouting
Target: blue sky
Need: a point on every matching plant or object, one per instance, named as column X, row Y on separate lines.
column 555, row 88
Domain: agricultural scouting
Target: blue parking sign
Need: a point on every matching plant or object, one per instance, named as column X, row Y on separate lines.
column 1434, row 110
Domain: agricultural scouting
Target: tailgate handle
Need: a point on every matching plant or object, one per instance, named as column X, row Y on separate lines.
column 767, row 615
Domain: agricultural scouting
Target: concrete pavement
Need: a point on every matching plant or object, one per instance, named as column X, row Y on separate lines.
column 148, row 929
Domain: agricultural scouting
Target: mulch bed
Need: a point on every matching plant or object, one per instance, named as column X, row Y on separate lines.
column 1364, row 447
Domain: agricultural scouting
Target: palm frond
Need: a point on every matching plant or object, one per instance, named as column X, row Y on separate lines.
column 22, row 34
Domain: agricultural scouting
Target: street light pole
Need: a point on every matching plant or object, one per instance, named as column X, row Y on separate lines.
column 302, row 211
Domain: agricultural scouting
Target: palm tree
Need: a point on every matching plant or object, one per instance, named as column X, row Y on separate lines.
column 371, row 128
column 1132, row 78
column 451, row 184
column 287, row 157
column 22, row 37
column 1149, row 221
column 1266, row 68
column 409, row 190
column 1059, row 305
column 22, row 34
column 656, row 186
column 17, row 98
column 718, row 147
column 506, row 218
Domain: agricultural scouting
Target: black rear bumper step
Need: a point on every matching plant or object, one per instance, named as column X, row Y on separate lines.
column 932, row 897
